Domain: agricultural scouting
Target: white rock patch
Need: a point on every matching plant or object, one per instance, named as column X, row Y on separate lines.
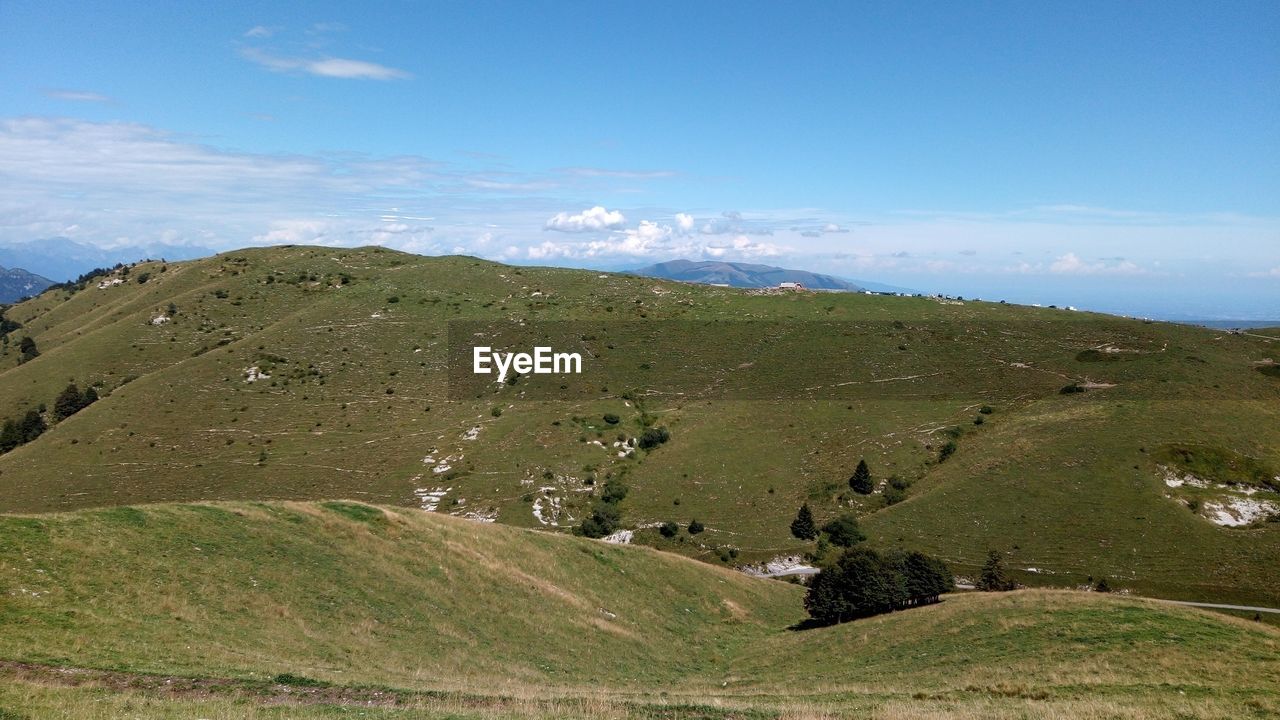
column 1173, row 479
column 484, row 516
column 781, row 566
column 621, row 537
column 1238, row 511
column 429, row 498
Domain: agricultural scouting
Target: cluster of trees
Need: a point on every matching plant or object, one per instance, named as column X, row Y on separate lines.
column 21, row 431
column 79, row 283
column 863, row 583
column 605, row 514
column 7, row 326
column 32, row 424
column 71, row 401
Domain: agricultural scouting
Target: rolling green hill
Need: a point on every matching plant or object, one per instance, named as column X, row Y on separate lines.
column 292, row 609
column 315, row 373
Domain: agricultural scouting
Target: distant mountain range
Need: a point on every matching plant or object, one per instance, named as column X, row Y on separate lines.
column 17, row 283
column 748, row 275
column 64, row 259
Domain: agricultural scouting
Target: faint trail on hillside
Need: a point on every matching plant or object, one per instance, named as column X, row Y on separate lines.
column 1220, row 606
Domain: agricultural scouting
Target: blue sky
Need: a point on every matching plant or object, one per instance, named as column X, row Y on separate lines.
column 1122, row 156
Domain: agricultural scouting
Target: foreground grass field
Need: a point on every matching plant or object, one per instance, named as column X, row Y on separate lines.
column 335, row 609
column 356, row 404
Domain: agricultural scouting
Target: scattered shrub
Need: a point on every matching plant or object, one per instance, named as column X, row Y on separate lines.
column 298, row 680
column 27, row 346
column 843, row 531
column 653, row 437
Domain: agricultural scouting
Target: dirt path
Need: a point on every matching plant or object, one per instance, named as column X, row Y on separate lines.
column 1188, row 603
column 1221, row 606
column 177, row 686
column 301, row 691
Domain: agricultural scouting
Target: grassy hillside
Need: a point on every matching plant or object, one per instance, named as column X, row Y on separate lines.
column 356, row 405
column 230, row 609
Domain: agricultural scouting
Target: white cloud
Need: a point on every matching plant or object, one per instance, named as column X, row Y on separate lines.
column 259, row 31
column 623, row 174
column 592, row 220
column 1272, row 273
column 1071, row 264
column 684, row 223
column 77, row 96
column 347, row 232
column 732, row 222
column 294, row 232
column 648, row 238
column 743, row 247
column 652, row 240
column 331, row 67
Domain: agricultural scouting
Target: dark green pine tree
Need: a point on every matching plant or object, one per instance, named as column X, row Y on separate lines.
column 994, row 578
column 861, row 480
column 803, row 526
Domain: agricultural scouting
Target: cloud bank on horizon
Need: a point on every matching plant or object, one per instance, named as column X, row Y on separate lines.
column 121, row 183
column 286, row 130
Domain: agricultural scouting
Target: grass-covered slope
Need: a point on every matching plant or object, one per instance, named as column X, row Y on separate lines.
column 353, row 593
column 356, row 406
column 227, row 597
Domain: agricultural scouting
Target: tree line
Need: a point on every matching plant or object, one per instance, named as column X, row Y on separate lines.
column 32, row 424
column 862, row 583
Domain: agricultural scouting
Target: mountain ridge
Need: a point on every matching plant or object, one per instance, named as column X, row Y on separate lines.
column 63, row 259
column 17, row 283
column 743, row 275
